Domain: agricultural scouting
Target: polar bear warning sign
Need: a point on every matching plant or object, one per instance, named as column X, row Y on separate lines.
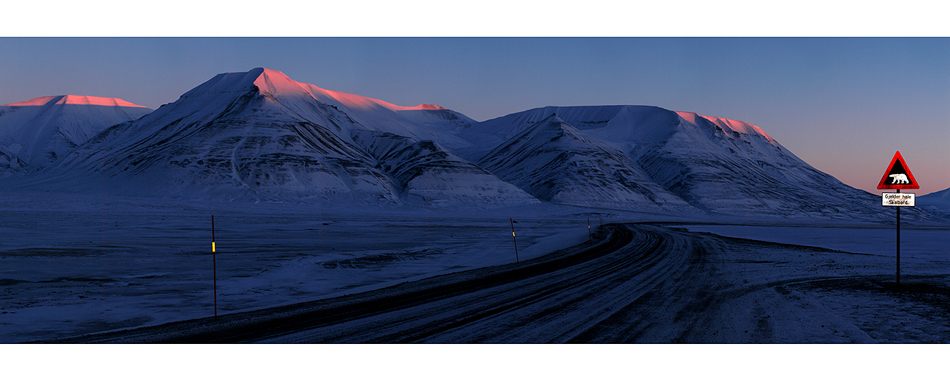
column 898, row 175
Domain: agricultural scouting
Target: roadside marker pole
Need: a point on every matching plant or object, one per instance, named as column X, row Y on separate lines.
column 214, row 266
column 515, row 239
column 589, row 236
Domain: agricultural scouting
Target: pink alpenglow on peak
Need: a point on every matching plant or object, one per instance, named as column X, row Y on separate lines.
column 74, row 99
column 365, row 103
column 430, row 107
column 734, row 125
column 277, row 83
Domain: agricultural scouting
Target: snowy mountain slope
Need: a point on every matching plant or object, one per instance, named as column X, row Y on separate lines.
column 421, row 122
column 36, row 132
column 262, row 136
column 488, row 134
column 9, row 162
column 233, row 138
column 723, row 165
column 937, row 202
column 717, row 165
column 555, row 162
column 429, row 174
column 259, row 135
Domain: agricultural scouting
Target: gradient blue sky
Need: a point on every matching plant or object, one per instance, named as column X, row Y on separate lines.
column 844, row 105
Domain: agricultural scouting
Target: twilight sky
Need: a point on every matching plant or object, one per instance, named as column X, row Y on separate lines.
column 844, row 105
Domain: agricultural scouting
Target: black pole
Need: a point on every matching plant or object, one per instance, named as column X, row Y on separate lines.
column 515, row 239
column 898, row 243
column 214, row 266
column 590, row 237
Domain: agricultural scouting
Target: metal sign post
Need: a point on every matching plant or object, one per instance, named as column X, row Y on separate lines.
column 898, row 243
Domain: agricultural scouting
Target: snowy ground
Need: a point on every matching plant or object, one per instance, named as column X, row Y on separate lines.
column 795, row 295
column 76, row 265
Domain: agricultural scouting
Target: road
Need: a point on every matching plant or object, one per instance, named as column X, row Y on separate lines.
column 573, row 295
column 632, row 283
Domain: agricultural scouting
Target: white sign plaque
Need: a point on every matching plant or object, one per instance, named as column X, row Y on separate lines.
column 898, row 199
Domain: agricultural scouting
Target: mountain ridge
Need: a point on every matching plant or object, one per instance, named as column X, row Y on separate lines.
column 73, row 99
column 37, row 132
column 261, row 136
column 717, row 165
column 556, row 162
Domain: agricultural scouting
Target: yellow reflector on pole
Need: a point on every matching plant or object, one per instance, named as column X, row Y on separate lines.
column 212, row 246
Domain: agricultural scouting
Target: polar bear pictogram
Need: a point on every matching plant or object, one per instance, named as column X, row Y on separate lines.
column 899, row 179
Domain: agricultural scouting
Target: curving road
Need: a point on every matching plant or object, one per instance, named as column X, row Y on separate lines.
column 632, row 284
column 573, row 295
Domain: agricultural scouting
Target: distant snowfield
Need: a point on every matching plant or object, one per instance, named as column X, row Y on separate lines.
column 72, row 265
column 917, row 241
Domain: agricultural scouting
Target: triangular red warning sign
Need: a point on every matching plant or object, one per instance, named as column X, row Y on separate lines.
column 898, row 175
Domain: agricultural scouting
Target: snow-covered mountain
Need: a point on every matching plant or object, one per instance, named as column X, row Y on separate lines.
column 36, row 132
column 430, row 175
column 717, row 165
column 555, row 162
column 261, row 136
column 9, row 162
column 937, row 202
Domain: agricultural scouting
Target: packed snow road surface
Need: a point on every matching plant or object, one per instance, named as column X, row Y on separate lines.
column 632, row 284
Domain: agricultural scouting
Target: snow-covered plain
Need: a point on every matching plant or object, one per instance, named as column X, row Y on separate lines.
column 843, row 293
column 75, row 264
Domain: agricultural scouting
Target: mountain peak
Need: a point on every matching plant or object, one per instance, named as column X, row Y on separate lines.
column 552, row 131
column 556, row 125
column 74, row 99
column 39, row 131
column 553, row 119
column 276, row 83
column 265, row 80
